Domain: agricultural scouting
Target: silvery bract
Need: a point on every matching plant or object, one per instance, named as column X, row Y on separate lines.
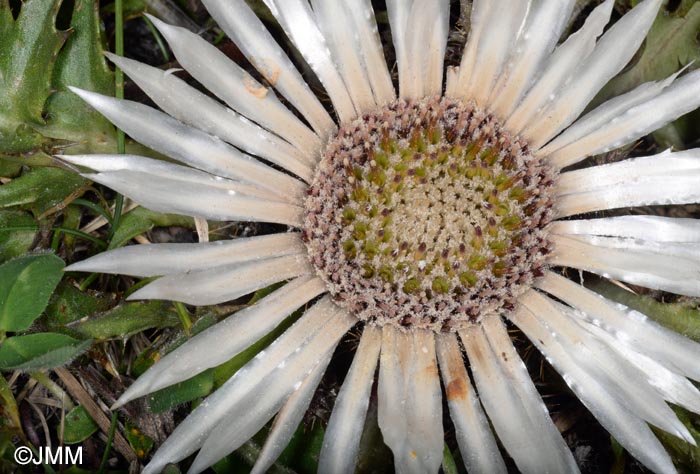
column 425, row 218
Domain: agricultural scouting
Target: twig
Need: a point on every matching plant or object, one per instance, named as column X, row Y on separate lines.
column 54, row 388
column 84, row 398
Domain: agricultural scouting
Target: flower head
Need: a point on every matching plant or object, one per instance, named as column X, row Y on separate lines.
column 426, row 219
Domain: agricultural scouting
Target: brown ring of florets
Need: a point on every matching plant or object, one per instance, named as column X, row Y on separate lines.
column 428, row 215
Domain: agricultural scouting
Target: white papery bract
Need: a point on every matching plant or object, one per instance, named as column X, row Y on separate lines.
column 252, row 155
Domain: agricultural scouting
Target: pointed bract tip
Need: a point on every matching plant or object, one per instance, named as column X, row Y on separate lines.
column 607, row 6
column 153, row 468
column 687, row 437
column 121, row 62
column 85, row 266
column 157, row 22
column 87, row 96
column 111, row 56
column 654, row 5
column 117, row 405
column 142, row 294
column 71, row 158
column 64, row 160
column 133, row 297
column 198, row 465
column 123, row 400
column 75, row 267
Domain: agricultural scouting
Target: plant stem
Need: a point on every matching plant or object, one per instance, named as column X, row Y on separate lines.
column 110, row 438
column 184, row 316
column 119, row 93
column 94, row 207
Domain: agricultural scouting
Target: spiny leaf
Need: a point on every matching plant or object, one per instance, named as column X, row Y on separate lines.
column 41, row 189
column 38, row 62
column 69, row 304
column 81, row 63
column 127, row 319
column 29, row 46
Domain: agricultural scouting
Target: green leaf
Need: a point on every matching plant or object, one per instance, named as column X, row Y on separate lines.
column 81, row 63
column 686, row 457
column 15, row 242
column 671, row 44
column 69, row 304
column 127, row 319
column 682, row 318
column 374, row 455
column 40, row 351
column 263, row 292
column 139, row 442
column 71, row 220
column 145, row 361
column 41, row 189
column 168, row 398
column 302, row 452
column 141, row 220
column 171, row 469
column 619, row 457
column 9, row 406
column 26, row 284
column 79, row 426
column 34, row 98
column 448, row 461
column 230, row 465
column 9, row 169
column 28, row 50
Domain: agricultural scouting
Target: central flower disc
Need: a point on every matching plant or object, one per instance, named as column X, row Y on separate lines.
column 427, row 215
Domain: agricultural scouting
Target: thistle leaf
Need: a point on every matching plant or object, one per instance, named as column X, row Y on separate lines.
column 29, row 46
column 37, row 63
column 80, row 63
